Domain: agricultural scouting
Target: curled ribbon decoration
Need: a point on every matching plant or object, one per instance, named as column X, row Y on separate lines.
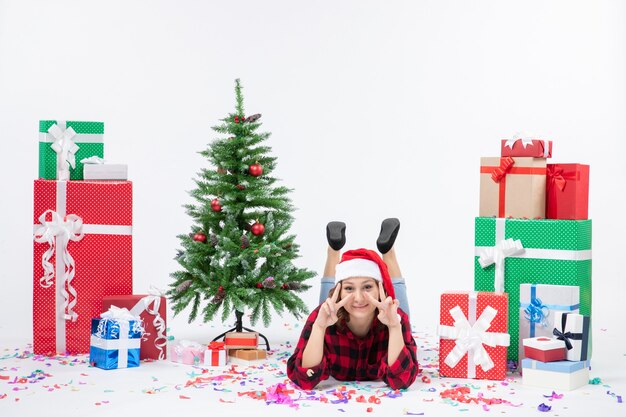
column 154, row 300
column 566, row 336
column 537, row 312
column 496, row 255
column 505, row 166
column 58, row 232
column 471, row 338
column 64, row 146
column 524, row 139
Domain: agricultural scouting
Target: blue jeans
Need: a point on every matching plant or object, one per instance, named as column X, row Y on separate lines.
column 399, row 287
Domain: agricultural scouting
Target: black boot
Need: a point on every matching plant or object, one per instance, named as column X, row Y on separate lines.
column 336, row 234
column 388, row 232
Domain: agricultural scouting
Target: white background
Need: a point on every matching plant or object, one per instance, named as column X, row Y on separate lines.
column 377, row 109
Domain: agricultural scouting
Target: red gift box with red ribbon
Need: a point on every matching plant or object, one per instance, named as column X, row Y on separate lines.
column 513, row 187
column 473, row 335
column 82, row 253
column 567, row 192
column 150, row 308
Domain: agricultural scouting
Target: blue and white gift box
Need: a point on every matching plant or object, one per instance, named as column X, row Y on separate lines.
column 539, row 304
column 560, row 375
column 573, row 330
column 115, row 340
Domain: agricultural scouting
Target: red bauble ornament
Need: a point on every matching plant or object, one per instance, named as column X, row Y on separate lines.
column 255, row 169
column 220, row 289
column 236, row 119
column 259, row 285
column 284, row 286
column 257, row 229
column 199, row 237
column 215, row 205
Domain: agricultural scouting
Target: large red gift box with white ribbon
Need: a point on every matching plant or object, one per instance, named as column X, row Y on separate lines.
column 473, row 335
column 82, row 253
column 150, row 308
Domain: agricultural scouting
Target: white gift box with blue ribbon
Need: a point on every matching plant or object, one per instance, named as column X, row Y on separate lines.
column 539, row 304
column 115, row 340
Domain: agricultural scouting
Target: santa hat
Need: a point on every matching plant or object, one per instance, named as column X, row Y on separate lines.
column 364, row 263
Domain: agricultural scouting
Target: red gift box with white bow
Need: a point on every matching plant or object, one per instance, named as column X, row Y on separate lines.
column 473, row 336
column 82, row 253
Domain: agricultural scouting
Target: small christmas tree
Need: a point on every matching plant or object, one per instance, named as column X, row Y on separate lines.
column 239, row 254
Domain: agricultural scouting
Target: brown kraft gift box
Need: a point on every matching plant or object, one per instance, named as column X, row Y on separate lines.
column 248, row 354
column 513, row 187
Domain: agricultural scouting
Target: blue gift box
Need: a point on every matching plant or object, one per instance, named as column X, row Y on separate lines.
column 115, row 343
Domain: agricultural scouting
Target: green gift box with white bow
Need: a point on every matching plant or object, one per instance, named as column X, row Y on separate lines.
column 510, row 252
column 63, row 144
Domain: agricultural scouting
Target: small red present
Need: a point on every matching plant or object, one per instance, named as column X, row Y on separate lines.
column 544, row 349
column 215, row 354
column 567, row 192
column 150, row 308
column 82, row 253
column 473, row 335
column 523, row 146
column 241, row 340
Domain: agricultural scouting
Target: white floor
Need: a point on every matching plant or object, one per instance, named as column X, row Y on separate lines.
column 69, row 387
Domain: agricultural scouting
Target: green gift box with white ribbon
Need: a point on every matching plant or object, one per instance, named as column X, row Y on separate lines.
column 510, row 252
column 63, row 144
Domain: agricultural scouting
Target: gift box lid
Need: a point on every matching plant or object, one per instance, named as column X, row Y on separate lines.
column 566, row 367
column 543, row 343
column 80, row 127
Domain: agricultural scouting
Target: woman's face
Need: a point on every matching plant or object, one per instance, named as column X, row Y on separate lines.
column 360, row 306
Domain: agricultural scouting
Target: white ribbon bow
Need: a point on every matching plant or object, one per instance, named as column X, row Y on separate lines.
column 153, row 299
column 471, row 338
column 94, row 160
column 64, row 146
column 496, row 255
column 525, row 139
column 59, row 231
column 118, row 313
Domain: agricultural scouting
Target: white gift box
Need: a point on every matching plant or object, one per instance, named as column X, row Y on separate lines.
column 575, row 329
column 105, row 172
column 538, row 306
column 561, row 375
column 215, row 357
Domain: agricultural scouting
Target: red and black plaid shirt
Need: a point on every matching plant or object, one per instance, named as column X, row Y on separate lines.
column 349, row 358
